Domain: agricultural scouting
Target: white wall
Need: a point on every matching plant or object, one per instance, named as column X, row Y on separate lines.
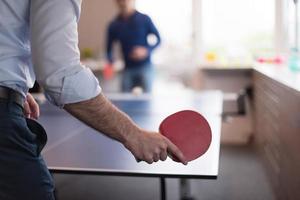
column 95, row 16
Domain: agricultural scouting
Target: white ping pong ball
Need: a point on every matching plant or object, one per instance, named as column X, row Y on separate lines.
column 137, row 91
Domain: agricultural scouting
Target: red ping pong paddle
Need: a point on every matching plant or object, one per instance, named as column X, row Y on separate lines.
column 189, row 131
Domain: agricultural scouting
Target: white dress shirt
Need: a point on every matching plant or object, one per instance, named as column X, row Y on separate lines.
column 39, row 40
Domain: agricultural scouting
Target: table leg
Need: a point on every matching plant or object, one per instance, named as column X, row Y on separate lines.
column 185, row 190
column 163, row 194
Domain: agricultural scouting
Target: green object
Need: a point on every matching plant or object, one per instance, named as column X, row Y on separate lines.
column 87, row 53
column 294, row 61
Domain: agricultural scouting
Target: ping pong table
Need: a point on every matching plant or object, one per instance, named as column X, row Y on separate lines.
column 74, row 148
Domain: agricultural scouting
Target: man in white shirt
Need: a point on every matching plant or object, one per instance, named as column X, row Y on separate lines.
column 39, row 41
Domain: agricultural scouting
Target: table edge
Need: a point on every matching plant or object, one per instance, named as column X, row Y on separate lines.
column 81, row 171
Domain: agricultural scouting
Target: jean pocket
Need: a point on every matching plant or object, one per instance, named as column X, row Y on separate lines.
column 40, row 133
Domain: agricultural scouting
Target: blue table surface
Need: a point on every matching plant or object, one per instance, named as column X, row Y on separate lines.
column 72, row 146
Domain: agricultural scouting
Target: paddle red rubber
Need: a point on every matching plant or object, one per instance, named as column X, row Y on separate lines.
column 189, row 131
column 108, row 72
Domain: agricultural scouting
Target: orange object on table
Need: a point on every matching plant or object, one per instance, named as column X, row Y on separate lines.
column 108, row 71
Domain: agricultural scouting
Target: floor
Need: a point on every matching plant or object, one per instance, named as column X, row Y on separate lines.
column 241, row 177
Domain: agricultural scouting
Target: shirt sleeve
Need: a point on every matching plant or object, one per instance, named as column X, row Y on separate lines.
column 55, row 53
column 109, row 43
column 153, row 30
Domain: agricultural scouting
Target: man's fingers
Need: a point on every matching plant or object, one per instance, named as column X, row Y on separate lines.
column 27, row 110
column 156, row 147
column 34, row 107
column 135, row 56
column 156, row 157
column 174, row 151
column 163, row 156
column 149, row 160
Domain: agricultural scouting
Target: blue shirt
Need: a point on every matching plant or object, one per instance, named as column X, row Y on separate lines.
column 39, row 40
column 131, row 32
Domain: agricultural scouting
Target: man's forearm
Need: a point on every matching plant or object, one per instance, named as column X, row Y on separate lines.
column 103, row 116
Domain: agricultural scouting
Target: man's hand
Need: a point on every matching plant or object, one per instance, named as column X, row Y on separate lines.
column 152, row 147
column 31, row 108
column 101, row 115
column 139, row 53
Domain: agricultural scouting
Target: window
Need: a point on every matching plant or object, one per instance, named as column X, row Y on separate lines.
column 173, row 19
column 294, row 36
column 238, row 29
column 234, row 31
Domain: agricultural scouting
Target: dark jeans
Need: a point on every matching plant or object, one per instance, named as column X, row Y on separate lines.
column 23, row 173
column 141, row 76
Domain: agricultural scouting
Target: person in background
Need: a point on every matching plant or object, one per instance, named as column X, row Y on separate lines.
column 131, row 29
column 39, row 41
